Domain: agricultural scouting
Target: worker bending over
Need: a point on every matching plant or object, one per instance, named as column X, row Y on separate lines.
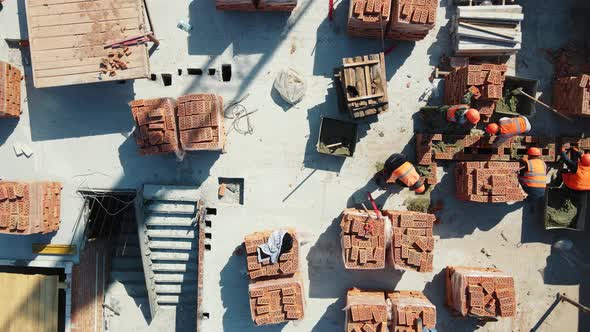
column 508, row 127
column 455, row 119
column 461, row 114
column 397, row 168
column 533, row 174
column 578, row 177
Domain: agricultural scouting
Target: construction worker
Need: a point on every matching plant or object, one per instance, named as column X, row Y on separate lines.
column 399, row 168
column 455, row 119
column 578, row 177
column 533, row 173
column 508, row 127
column 461, row 114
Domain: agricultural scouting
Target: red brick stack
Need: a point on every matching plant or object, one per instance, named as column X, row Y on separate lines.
column 488, row 182
column 277, row 301
column 277, row 5
column 363, row 240
column 287, row 265
column 480, row 292
column 412, row 19
column 366, row 311
column 412, row 244
column 368, row 18
column 29, row 208
column 155, row 120
column 242, row 5
column 200, row 122
column 488, row 78
column 10, row 78
column 571, row 95
column 407, row 307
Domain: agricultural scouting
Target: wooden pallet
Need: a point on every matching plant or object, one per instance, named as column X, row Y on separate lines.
column 364, row 85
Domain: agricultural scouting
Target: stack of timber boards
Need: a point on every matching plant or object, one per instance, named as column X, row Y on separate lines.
column 364, row 85
column 487, row 30
column 67, row 40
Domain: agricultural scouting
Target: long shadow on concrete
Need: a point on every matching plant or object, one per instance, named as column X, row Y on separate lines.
column 7, row 128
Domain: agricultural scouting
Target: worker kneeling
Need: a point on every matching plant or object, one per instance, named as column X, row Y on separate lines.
column 509, row 127
column 533, row 174
column 461, row 114
column 578, row 177
column 399, row 170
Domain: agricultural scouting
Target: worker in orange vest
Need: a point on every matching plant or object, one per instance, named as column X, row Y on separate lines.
column 461, row 114
column 533, row 173
column 397, row 168
column 578, row 177
column 508, row 127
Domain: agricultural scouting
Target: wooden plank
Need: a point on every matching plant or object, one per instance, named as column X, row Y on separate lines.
column 77, row 53
column 135, row 57
column 66, row 8
column 491, row 16
column 90, row 39
column 171, row 193
column 474, row 33
column 361, row 98
column 37, row 3
column 43, row 82
column 509, row 9
column 362, row 63
column 53, row 249
column 92, row 16
column 84, row 28
column 505, row 33
column 466, row 43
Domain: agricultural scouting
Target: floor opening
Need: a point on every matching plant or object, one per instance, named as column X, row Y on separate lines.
column 234, row 190
column 226, row 72
column 167, row 78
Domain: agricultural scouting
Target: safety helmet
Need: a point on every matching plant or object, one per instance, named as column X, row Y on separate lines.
column 492, row 128
column 420, row 189
column 472, row 115
column 534, row 152
column 586, row 159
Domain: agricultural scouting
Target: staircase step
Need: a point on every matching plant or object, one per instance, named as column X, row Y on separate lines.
column 175, row 277
column 175, row 208
column 174, row 299
column 173, row 245
column 177, row 289
column 166, row 267
column 168, row 221
column 171, row 233
column 173, row 256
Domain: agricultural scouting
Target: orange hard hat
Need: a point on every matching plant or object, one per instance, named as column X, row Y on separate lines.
column 492, row 128
column 534, row 152
column 586, row 159
column 472, row 115
column 421, row 189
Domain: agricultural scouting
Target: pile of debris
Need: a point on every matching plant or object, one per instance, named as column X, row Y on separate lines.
column 253, row 5
column 287, row 265
column 276, row 289
column 29, row 207
column 156, row 125
column 276, row 301
column 363, row 239
column 412, row 19
column 487, row 78
column 480, row 292
column 571, row 95
column 364, row 85
column 487, row 30
column 368, row 18
column 115, row 61
column 200, row 122
column 365, row 311
column 412, row 244
column 407, row 307
column 488, row 182
column 10, row 78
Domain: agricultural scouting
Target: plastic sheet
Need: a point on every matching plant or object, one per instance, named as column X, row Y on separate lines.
column 290, row 85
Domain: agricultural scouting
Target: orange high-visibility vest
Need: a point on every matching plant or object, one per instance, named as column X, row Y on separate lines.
column 513, row 126
column 535, row 174
column 453, row 110
column 580, row 180
column 407, row 174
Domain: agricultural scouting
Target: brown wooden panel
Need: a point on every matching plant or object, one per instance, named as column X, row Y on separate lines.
column 43, row 82
column 83, row 28
column 89, row 39
column 65, row 8
column 135, row 57
column 84, row 17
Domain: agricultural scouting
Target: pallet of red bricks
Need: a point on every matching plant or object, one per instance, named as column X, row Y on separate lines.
column 10, row 79
column 253, row 5
column 488, row 182
column 366, row 311
column 368, row 18
column 412, row 19
column 29, row 207
column 364, row 85
column 156, row 128
column 480, row 292
column 200, row 122
column 407, row 307
column 433, row 147
column 288, row 262
column 364, row 239
column 488, row 78
column 412, row 243
column 277, row 301
column 571, row 95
